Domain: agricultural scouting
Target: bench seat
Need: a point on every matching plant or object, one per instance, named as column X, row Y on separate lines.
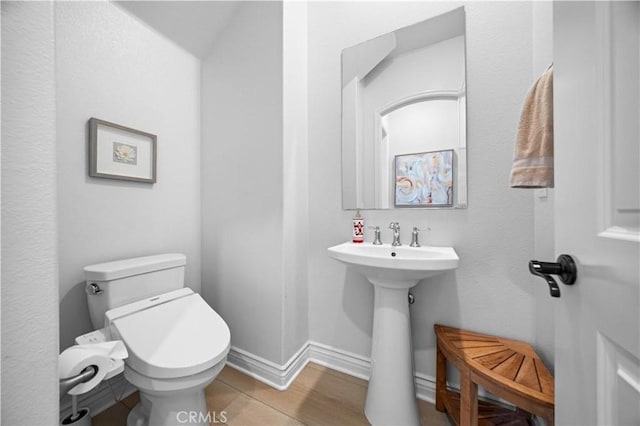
column 506, row 368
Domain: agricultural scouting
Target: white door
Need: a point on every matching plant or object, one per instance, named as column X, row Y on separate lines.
column 597, row 200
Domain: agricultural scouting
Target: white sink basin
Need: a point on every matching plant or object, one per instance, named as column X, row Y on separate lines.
column 397, row 267
column 391, row 395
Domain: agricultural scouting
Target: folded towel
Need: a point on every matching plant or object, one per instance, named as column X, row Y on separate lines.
column 533, row 153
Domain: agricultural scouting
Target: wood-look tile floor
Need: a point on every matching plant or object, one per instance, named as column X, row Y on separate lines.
column 318, row 396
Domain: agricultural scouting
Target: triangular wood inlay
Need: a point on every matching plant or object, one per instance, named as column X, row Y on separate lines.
column 545, row 378
column 527, row 375
column 509, row 368
column 471, row 353
column 492, row 360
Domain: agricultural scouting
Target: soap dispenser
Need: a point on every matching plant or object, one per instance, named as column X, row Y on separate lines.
column 358, row 228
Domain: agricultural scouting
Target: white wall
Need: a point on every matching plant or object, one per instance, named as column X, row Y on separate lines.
column 423, row 126
column 111, row 66
column 242, row 178
column 491, row 291
column 254, row 185
column 295, row 182
column 29, row 252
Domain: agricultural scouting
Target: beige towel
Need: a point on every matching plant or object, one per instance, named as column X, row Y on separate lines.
column 533, row 153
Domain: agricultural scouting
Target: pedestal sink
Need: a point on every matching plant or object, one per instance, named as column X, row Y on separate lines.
column 391, row 397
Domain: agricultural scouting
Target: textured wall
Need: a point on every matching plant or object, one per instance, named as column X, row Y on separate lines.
column 111, row 66
column 491, row 290
column 29, row 270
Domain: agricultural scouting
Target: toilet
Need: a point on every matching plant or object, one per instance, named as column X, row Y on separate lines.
column 177, row 343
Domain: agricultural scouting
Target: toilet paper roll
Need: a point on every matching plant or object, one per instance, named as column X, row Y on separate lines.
column 73, row 360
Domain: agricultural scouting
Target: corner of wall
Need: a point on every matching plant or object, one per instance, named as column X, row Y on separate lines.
column 295, row 178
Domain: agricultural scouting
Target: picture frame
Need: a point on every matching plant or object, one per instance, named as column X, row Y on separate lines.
column 119, row 152
column 424, row 179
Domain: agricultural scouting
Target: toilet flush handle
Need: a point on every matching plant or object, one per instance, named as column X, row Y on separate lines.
column 94, row 289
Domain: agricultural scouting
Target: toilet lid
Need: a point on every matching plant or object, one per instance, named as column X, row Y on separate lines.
column 174, row 339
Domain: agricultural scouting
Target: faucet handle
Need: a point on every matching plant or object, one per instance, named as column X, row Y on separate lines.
column 376, row 235
column 394, row 225
column 414, row 236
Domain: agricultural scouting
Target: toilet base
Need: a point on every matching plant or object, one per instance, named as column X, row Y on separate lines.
column 172, row 402
column 184, row 408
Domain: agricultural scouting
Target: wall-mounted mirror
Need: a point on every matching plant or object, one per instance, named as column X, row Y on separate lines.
column 404, row 117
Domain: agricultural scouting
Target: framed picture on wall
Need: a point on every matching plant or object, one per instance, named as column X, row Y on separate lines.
column 119, row 152
column 424, row 179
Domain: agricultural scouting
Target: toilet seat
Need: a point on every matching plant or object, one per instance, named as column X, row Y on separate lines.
column 151, row 385
column 174, row 335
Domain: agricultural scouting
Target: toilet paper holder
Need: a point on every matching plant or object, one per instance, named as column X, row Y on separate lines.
column 84, row 376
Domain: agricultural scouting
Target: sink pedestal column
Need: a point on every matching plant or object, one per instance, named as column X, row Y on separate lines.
column 391, row 396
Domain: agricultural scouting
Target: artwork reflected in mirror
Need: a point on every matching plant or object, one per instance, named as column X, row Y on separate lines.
column 424, row 179
column 405, row 93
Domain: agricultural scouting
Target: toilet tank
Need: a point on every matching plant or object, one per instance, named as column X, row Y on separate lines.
column 130, row 280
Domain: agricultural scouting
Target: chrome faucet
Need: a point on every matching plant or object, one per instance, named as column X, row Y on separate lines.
column 396, row 233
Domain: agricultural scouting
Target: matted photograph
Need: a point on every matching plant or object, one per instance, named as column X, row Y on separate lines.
column 119, row 152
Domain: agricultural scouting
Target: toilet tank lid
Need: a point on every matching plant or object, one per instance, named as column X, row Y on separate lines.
column 127, row 267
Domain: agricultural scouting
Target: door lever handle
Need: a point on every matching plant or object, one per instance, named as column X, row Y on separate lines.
column 564, row 267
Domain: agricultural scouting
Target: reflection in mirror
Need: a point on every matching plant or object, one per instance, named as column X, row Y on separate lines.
column 404, row 93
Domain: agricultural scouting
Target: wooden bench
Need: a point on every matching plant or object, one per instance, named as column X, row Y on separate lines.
column 507, row 368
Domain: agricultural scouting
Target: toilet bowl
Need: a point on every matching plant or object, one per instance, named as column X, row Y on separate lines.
column 177, row 343
column 184, row 403
column 177, row 346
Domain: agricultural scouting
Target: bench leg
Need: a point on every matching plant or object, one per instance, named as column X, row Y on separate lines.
column 441, row 379
column 468, row 400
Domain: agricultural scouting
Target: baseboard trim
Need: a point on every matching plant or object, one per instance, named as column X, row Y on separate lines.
column 425, row 387
column 280, row 377
column 340, row 360
column 268, row 372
